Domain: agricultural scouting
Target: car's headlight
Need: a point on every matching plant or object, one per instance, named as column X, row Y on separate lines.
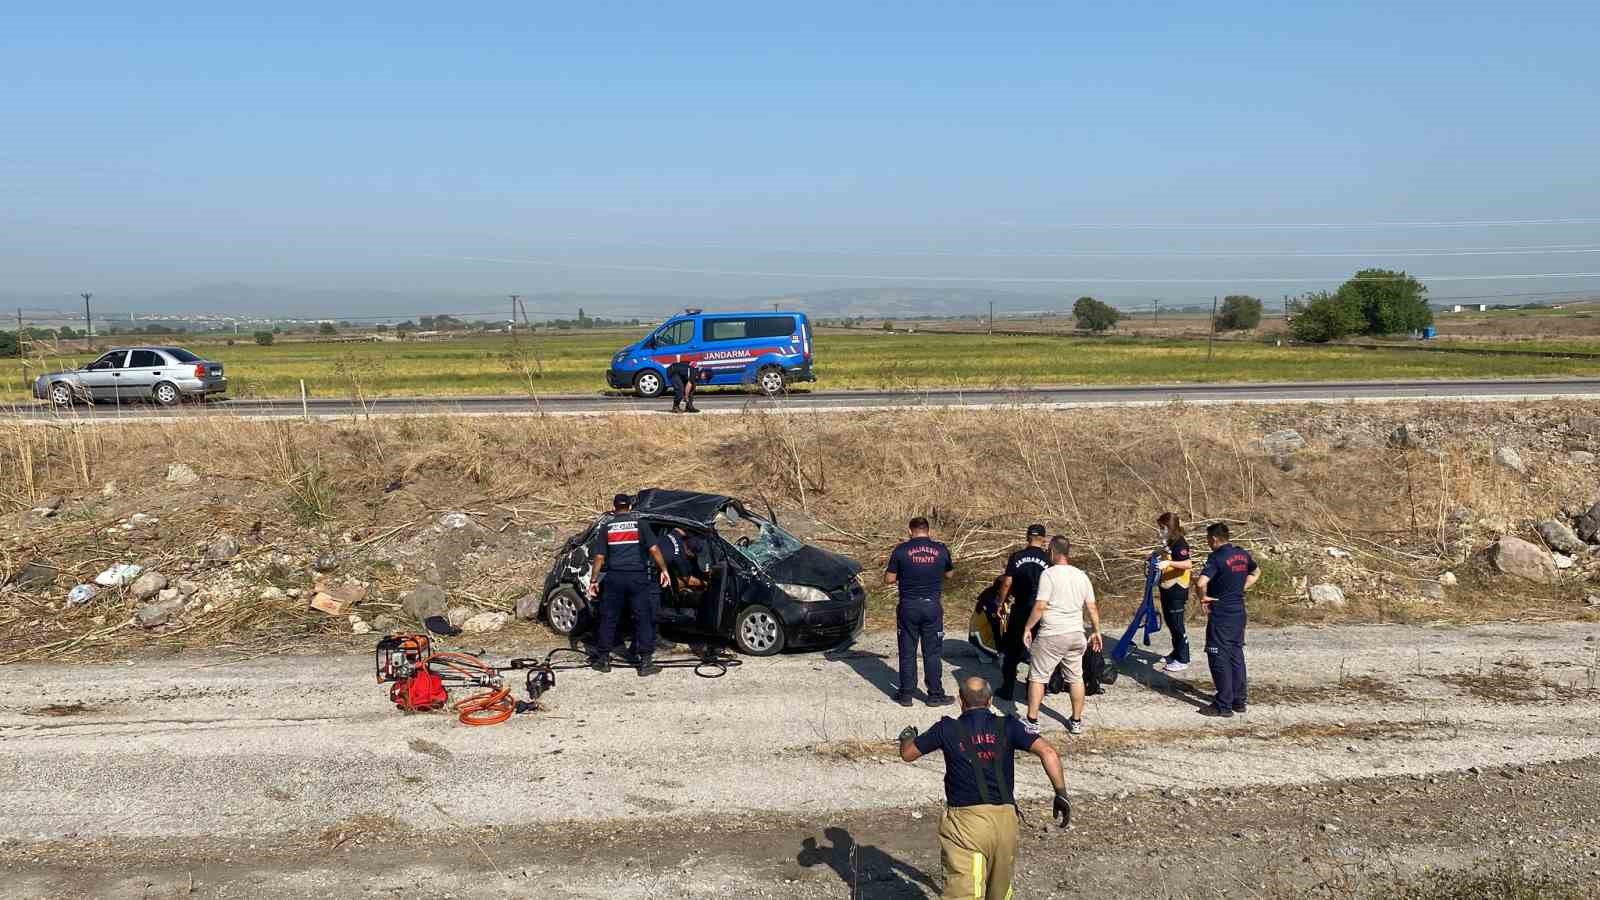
column 805, row 593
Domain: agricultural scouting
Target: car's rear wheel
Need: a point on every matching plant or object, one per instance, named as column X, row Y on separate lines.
column 563, row 608
column 167, row 394
column 771, row 381
column 61, row 394
column 757, row 631
column 649, row 384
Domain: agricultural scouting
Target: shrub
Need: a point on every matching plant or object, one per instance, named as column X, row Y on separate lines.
column 1322, row 317
column 264, row 338
column 1239, row 313
column 1388, row 302
column 1093, row 315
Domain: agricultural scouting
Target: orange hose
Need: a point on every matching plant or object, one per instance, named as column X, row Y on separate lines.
column 488, row 708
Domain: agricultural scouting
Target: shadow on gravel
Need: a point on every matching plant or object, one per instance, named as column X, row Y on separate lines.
column 867, row 870
column 872, row 667
column 1140, row 665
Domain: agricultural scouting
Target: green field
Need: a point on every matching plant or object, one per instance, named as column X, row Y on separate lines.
column 844, row 360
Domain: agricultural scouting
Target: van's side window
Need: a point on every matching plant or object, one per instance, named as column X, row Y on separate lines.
column 755, row 327
column 676, row 333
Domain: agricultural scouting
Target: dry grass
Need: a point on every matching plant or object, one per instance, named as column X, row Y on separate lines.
column 845, row 481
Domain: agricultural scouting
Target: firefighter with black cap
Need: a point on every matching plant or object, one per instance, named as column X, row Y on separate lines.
column 623, row 547
column 1020, row 581
column 978, row 833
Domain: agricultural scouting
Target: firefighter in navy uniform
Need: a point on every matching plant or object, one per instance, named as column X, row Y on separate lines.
column 978, row 833
column 1021, row 582
column 683, row 375
column 1228, row 573
column 623, row 546
column 918, row 567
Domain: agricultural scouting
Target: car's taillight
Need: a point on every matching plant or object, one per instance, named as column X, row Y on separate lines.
column 200, row 370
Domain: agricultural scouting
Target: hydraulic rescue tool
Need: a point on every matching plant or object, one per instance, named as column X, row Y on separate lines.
column 1146, row 617
column 420, row 677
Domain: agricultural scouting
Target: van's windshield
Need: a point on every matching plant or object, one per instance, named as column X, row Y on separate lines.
column 760, row 541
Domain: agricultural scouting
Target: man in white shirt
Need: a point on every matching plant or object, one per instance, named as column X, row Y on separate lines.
column 1064, row 594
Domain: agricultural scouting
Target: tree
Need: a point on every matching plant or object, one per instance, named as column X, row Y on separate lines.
column 264, row 338
column 1389, row 302
column 327, row 328
column 888, row 325
column 1095, row 316
column 66, row 333
column 1322, row 317
column 9, row 345
column 1239, row 313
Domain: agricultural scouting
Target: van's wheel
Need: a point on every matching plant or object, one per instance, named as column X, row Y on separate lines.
column 649, row 384
column 771, row 381
column 61, row 394
column 757, row 631
column 167, row 394
column 563, row 608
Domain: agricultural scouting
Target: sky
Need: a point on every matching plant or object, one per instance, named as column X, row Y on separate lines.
column 727, row 150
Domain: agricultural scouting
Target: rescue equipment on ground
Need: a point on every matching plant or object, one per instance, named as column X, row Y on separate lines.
column 984, row 631
column 1146, row 617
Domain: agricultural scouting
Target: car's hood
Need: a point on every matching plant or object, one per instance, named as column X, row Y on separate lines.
column 815, row 567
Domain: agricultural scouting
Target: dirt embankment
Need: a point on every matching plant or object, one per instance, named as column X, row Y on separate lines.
column 1335, row 495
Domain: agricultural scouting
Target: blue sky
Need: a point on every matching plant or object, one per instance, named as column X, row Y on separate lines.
column 407, row 146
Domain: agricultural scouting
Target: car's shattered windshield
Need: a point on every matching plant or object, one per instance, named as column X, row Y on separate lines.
column 760, row 541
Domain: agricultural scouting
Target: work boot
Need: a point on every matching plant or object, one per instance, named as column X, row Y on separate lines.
column 647, row 666
column 675, row 408
column 602, row 662
column 691, row 407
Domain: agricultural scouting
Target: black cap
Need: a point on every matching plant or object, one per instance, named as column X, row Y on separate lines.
column 1036, row 531
column 621, row 500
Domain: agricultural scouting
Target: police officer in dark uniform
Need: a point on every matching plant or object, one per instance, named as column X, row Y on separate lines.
column 978, row 833
column 918, row 567
column 1021, row 581
column 622, row 548
column 682, row 374
column 1228, row 573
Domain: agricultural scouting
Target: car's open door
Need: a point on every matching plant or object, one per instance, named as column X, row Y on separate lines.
column 717, row 607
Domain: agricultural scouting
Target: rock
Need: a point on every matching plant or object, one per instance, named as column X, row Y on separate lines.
column 1592, row 600
column 109, row 489
column 119, row 575
column 384, row 623
column 1509, row 458
column 152, row 615
column 459, row 614
column 358, row 625
column 273, row 594
column 1580, row 458
column 1329, row 595
column 295, row 593
column 1283, row 441
column 1329, row 828
column 1588, row 525
column 1336, row 553
column 1448, row 579
column 1517, row 557
column 222, row 547
column 1405, row 437
column 81, row 594
column 1283, row 461
column 528, row 606
column 455, row 520
column 140, row 520
column 1585, row 425
column 48, row 506
column 423, row 601
column 187, row 588
column 1562, row 561
column 1557, row 536
column 168, row 594
column 326, row 562
column 181, row 474
column 148, row 585
column 1431, row 590
column 35, row 575
column 485, row 622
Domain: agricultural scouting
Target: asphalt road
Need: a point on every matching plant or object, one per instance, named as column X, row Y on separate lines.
column 738, row 401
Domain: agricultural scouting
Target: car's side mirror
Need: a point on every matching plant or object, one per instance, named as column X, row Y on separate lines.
column 650, row 343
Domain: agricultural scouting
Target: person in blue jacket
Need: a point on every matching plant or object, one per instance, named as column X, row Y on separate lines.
column 1228, row 573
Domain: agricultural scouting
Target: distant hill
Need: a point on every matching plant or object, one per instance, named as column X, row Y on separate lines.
column 904, row 302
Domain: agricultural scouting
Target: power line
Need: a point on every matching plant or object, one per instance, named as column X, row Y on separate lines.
column 1539, row 250
column 1259, row 226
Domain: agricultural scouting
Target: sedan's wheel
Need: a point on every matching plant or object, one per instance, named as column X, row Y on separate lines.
column 649, row 384
column 758, row 632
column 167, row 394
column 771, row 381
column 61, row 394
column 562, row 608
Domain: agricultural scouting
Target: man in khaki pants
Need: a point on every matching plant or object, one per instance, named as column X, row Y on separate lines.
column 978, row 834
column 1064, row 595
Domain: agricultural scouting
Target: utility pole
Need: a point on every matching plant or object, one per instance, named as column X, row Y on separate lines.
column 1157, row 322
column 88, row 321
column 1286, row 307
column 1211, row 338
column 514, row 299
column 991, row 318
column 22, row 340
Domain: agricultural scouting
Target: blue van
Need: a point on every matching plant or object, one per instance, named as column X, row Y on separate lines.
column 766, row 349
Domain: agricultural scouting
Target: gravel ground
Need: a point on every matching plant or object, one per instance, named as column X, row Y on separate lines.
column 287, row 776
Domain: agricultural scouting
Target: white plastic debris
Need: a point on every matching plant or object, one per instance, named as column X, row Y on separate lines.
column 118, row 575
column 81, row 594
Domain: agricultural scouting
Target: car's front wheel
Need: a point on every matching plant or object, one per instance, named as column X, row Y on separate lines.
column 563, row 608
column 61, row 394
column 649, row 384
column 757, row 631
column 167, row 394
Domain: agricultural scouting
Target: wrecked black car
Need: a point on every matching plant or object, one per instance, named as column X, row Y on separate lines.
column 759, row 587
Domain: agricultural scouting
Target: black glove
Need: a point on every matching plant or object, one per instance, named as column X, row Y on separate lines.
column 909, row 733
column 440, row 625
column 1062, row 809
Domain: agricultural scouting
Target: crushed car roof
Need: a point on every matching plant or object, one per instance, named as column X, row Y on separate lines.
column 690, row 505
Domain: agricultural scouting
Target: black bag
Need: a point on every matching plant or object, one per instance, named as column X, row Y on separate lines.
column 1094, row 665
